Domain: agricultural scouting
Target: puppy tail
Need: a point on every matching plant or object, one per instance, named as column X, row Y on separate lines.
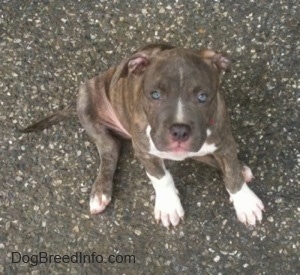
column 50, row 120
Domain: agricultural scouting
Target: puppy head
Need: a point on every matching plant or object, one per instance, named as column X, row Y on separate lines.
column 179, row 93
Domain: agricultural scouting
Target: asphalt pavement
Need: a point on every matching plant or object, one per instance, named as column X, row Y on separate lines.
column 49, row 47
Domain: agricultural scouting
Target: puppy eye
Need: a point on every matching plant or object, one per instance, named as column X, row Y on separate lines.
column 202, row 97
column 155, row 95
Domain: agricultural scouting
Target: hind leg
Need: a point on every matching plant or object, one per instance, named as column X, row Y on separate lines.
column 108, row 148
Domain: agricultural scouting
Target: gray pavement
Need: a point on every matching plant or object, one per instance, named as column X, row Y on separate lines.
column 49, row 47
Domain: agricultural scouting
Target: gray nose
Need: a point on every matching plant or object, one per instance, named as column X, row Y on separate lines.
column 180, row 132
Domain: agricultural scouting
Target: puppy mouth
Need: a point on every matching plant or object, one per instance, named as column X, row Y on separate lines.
column 166, row 144
column 179, row 147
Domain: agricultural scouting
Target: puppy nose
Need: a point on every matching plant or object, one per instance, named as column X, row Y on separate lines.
column 180, row 132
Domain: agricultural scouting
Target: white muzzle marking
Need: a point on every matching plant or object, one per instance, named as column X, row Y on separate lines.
column 204, row 150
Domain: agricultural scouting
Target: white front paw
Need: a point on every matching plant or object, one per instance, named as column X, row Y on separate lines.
column 247, row 205
column 168, row 207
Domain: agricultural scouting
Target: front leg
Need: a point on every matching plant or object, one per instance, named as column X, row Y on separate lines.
column 168, row 208
column 247, row 205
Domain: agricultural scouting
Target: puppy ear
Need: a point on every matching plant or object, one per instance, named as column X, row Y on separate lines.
column 137, row 64
column 219, row 60
column 139, row 61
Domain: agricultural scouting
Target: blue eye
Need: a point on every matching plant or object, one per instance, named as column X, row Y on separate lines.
column 155, row 95
column 202, row 97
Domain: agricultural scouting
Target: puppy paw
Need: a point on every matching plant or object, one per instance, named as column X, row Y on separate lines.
column 98, row 203
column 168, row 208
column 247, row 205
column 247, row 173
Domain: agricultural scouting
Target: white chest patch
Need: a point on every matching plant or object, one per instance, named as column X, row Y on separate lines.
column 204, row 150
